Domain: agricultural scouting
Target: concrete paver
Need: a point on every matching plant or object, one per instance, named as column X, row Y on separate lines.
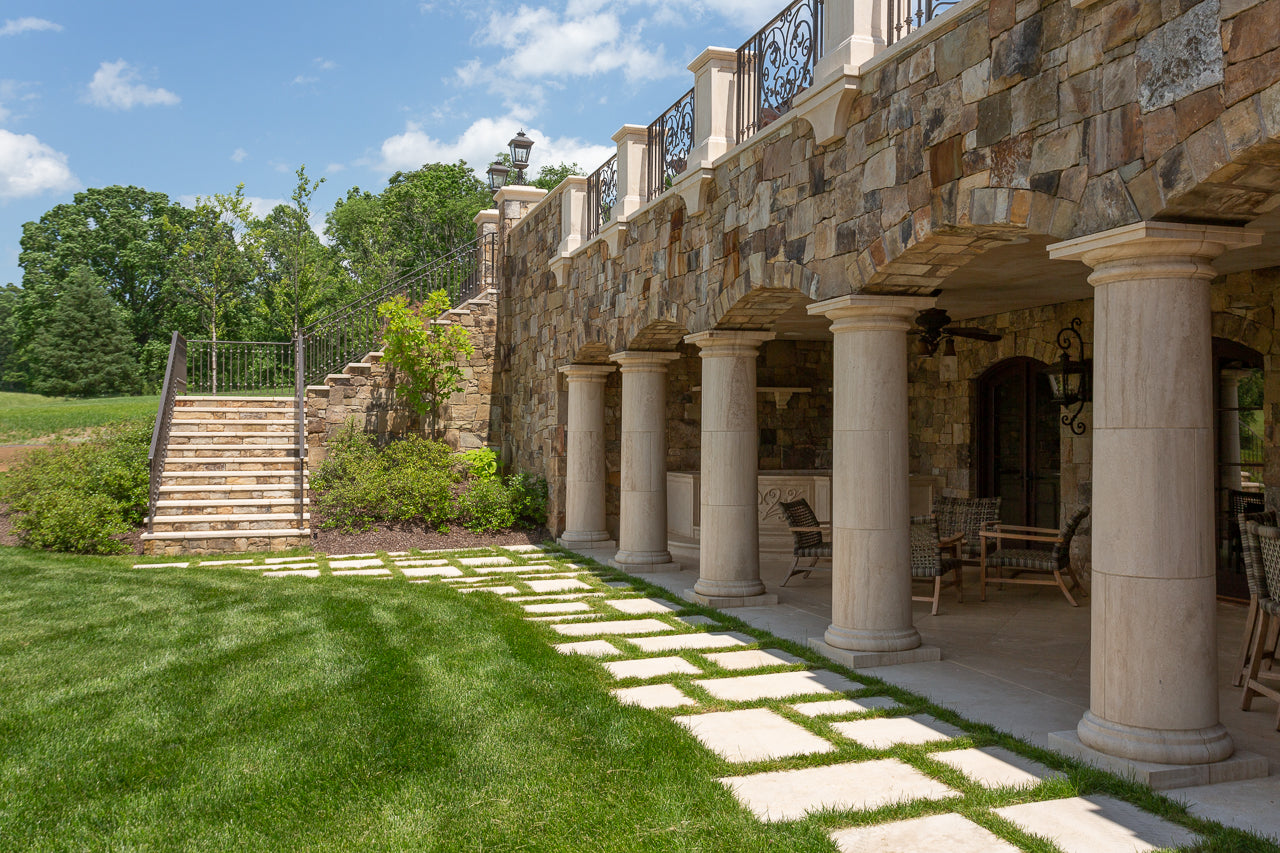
column 618, row 626
column 1097, row 824
column 558, row 585
column 692, row 641
column 498, row 590
column 299, row 573
column 485, row 561
column 754, row 734
column 353, row 564
column 834, row 707
column 591, row 648
column 944, row 832
column 643, row 605
column 653, row 696
column 430, row 571
column 361, row 572
column 558, row 607
column 884, row 732
column 752, row 659
column 995, row 767
column 777, row 685
column 650, row 667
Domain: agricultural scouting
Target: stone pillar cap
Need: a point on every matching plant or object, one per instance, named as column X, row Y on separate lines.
column 729, row 337
column 486, row 216
column 628, row 358
column 713, row 54
column 519, row 192
column 627, row 131
column 586, row 371
column 879, row 303
column 1155, row 238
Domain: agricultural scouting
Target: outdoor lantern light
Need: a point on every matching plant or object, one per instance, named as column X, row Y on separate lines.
column 1071, row 380
column 519, row 147
column 497, row 175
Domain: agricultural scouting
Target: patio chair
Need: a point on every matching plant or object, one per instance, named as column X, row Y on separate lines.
column 1258, row 683
column 807, row 532
column 928, row 562
column 997, row 556
column 1252, row 559
column 965, row 517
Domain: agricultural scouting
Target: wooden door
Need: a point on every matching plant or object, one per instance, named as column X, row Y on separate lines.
column 1019, row 458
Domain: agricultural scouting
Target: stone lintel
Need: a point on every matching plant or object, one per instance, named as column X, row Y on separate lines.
column 726, row 602
column 865, row 660
column 1241, row 765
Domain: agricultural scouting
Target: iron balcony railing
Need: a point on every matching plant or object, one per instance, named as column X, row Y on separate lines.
column 175, row 383
column 241, row 367
column 670, row 144
column 777, row 64
column 347, row 334
column 906, row 16
column 602, row 196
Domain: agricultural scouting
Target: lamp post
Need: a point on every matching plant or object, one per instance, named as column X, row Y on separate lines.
column 519, row 147
column 497, row 175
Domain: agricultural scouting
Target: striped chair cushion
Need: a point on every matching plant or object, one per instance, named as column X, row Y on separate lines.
column 1026, row 558
column 821, row 550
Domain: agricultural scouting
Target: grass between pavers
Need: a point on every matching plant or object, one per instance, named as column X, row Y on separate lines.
column 577, row 769
column 27, row 416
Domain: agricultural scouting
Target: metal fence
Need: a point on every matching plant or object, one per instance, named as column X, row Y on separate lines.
column 670, row 144
column 777, row 64
column 240, row 367
column 602, row 196
column 905, row 16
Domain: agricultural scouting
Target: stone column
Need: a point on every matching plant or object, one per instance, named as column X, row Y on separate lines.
column 633, row 141
column 853, row 32
column 584, row 524
column 1153, row 672
column 871, row 585
column 729, row 547
column 715, row 123
column 642, row 527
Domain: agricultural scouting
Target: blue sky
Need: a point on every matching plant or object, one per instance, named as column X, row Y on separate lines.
column 191, row 98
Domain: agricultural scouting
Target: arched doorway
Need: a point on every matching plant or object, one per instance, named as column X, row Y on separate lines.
column 1238, row 453
column 1019, row 457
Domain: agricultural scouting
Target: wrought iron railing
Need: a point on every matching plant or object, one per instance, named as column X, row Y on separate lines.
column 670, row 144
column 240, row 367
column 347, row 334
column 906, row 16
column 175, row 383
column 777, row 64
column 602, row 196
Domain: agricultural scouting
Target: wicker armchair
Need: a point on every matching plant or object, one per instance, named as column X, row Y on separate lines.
column 1258, row 683
column 809, row 542
column 1251, row 556
column 929, row 563
column 966, row 516
column 997, row 556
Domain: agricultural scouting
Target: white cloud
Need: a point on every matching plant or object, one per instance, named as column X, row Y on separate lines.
column 28, row 167
column 302, row 80
column 239, row 155
column 481, row 141
column 114, row 87
column 325, row 64
column 334, row 168
column 28, row 25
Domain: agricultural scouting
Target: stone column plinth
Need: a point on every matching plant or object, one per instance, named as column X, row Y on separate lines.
column 870, row 515
column 642, row 526
column 729, row 547
column 584, row 524
column 1153, row 672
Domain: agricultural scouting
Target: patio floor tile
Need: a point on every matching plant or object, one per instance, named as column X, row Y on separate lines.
column 832, row 707
column 557, row 585
column 591, row 648
column 445, row 571
column 885, row 732
column 558, row 607
column 643, row 605
column 692, row 641
column 653, row 696
column 791, row 794
column 943, row 832
column 617, row 626
column 993, row 767
column 1097, row 825
column 777, row 685
column 755, row 734
column 752, row 659
column 650, row 667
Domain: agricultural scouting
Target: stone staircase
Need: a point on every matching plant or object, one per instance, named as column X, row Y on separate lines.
column 232, row 479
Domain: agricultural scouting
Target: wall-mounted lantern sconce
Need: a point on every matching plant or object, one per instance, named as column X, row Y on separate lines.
column 1071, row 380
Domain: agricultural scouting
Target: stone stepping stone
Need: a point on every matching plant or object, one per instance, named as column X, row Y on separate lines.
column 1097, row 824
column 349, row 556
column 756, row 734
column 792, row 794
column 618, row 584
column 284, row 566
column 559, row 617
column 161, row 565
column 591, row 648
column 885, row 732
column 222, row 563
column 776, row 685
column 445, row 571
column 752, row 659
column 944, row 832
column 653, row 696
column 513, row 569
column 471, row 579
column 296, row 559
column 564, row 596
column 485, row 561
column 650, row 667
column 557, row 585
column 362, row 572
column 422, row 563
column 499, row 590
column 617, row 626
column 353, row 564
column 397, row 553
column 994, row 767
column 637, row 606
column 558, row 607
column 691, row 641
column 524, row 549
column 293, row 573
column 698, row 620
column 833, row 707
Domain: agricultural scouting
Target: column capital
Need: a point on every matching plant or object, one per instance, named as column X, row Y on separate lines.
column 632, row 133
column 587, row 372
column 721, row 58
column 644, row 360
column 1189, row 247
column 872, row 312
column 728, row 342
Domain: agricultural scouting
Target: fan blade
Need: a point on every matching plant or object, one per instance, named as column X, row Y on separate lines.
column 968, row 332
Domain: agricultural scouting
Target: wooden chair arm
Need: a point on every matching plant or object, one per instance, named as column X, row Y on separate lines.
column 1019, row 532
column 953, row 539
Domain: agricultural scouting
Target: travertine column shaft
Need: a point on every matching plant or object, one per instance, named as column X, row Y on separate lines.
column 871, row 585
column 642, row 525
column 584, row 451
column 729, row 548
column 1153, row 672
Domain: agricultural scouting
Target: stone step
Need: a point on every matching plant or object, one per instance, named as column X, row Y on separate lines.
column 234, row 421
column 213, row 451
column 206, row 400
column 248, row 506
column 220, row 523
column 224, row 463
column 358, row 368
column 215, row 492
column 248, row 439
column 204, row 479
column 222, row 541
column 242, row 411
column 208, row 429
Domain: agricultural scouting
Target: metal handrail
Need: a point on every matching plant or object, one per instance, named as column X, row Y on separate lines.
column 777, row 64
column 670, row 144
column 225, row 367
column 300, row 409
column 905, row 16
column 175, row 383
column 602, row 196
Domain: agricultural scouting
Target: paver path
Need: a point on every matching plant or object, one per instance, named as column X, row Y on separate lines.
column 795, row 739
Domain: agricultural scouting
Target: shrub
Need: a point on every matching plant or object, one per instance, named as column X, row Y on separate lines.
column 481, row 463
column 419, row 481
column 486, row 506
column 73, row 521
column 528, row 498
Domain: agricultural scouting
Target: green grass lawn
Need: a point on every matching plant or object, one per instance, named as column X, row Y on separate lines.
column 27, row 416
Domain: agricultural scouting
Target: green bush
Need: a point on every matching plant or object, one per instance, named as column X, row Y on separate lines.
column 486, row 507
column 481, row 463
column 528, row 498
column 76, row 496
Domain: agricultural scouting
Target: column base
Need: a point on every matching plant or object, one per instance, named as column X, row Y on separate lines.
column 1159, row 746
column 873, row 640
column 1162, row 777
column 866, row 660
column 726, row 602
column 643, row 567
column 586, row 539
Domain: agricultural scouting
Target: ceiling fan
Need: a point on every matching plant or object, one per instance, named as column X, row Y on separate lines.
column 933, row 326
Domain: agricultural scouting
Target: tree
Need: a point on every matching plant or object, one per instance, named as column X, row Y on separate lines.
column 84, row 349
column 10, row 341
column 431, row 211
column 359, row 237
column 425, row 351
column 549, row 177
